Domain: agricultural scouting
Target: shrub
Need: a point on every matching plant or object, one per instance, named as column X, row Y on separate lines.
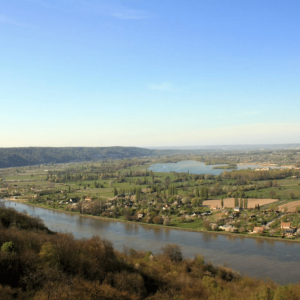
column 206, row 224
column 49, row 255
column 158, row 220
column 167, row 221
column 200, row 259
column 129, row 282
column 8, row 247
column 173, row 252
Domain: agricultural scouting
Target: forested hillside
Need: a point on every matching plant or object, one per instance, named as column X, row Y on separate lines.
column 17, row 157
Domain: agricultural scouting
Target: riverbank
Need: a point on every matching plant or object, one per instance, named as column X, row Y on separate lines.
column 76, row 267
column 223, row 233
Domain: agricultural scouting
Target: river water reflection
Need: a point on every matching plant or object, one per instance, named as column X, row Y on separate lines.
column 277, row 260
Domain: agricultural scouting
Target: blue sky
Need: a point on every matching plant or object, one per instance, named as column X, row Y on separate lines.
column 149, row 73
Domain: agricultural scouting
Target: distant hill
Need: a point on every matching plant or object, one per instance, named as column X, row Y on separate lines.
column 18, row 157
column 232, row 147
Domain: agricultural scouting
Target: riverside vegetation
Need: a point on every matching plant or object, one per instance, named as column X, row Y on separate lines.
column 126, row 190
column 36, row 263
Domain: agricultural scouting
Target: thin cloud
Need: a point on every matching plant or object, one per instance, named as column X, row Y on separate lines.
column 165, row 86
column 10, row 21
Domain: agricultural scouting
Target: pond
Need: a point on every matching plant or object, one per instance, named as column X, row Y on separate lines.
column 195, row 167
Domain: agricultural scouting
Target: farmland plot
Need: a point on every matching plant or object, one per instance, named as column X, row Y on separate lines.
column 229, row 202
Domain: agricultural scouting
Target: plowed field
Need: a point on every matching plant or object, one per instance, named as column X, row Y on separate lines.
column 229, row 202
column 291, row 207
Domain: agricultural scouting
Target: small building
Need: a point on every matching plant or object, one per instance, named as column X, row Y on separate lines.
column 87, row 199
column 225, row 227
column 74, row 200
column 238, row 209
column 258, row 229
column 214, row 207
column 195, row 214
column 290, row 231
column 285, row 225
column 206, row 213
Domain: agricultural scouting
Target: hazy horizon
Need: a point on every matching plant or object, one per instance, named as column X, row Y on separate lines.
column 161, row 73
column 183, row 147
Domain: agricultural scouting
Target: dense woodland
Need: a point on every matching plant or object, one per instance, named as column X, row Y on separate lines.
column 17, row 157
column 36, row 263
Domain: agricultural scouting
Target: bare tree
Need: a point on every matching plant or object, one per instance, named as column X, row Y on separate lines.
column 173, row 252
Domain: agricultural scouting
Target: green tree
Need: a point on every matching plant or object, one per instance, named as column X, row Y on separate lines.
column 167, row 181
column 236, row 202
column 196, row 201
column 197, row 194
column 204, row 193
column 49, row 255
column 138, row 193
column 115, row 192
column 8, row 247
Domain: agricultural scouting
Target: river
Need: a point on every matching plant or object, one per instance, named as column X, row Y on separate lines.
column 277, row 260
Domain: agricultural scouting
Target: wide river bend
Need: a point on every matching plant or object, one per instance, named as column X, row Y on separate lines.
column 277, row 260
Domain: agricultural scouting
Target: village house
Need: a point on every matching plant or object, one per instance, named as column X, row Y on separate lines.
column 196, row 215
column 87, row 199
column 214, row 207
column 225, row 227
column 206, row 213
column 258, row 229
column 237, row 209
column 166, row 207
column 74, row 200
column 290, row 232
column 285, row 225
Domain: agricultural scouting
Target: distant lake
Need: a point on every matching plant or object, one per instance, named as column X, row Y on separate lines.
column 195, row 167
